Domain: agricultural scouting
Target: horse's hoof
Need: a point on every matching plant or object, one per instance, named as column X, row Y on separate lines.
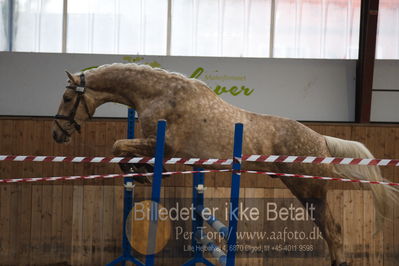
column 129, row 168
column 149, row 168
column 137, row 168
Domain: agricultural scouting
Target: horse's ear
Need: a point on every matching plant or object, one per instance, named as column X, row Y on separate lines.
column 71, row 77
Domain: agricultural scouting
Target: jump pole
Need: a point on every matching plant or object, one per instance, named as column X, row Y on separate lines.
column 219, row 227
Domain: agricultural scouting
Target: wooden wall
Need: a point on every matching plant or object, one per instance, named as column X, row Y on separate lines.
column 79, row 222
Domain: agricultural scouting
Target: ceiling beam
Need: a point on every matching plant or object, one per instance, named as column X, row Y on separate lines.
column 365, row 62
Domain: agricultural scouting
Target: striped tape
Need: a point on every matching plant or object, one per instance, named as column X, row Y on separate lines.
column 55, row 178
column 199, row 161
column 319, row 160
column 352, row 180
column 109, row 176
column 80, row 159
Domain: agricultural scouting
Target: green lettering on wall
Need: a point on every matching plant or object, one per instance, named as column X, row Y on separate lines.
column 219, row 89
column 197, row 73
column 234, row 91
column 247, row 91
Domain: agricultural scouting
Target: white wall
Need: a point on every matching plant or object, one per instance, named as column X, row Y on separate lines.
column 303, row 89
column 385, row 101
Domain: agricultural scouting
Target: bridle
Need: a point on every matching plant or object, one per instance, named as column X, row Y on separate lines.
column 80, row 91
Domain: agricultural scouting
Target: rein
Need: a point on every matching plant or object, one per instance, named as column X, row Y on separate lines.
column 79, row 90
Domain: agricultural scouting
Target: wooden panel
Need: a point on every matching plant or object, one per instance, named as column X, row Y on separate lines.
column 80, row 222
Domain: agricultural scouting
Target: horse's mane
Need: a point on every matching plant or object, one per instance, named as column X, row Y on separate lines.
column 145, row 69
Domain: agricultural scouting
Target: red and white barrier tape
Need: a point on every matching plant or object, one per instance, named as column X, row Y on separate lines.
column 319, row 160
column 109, row 176
column 79, row 159
column 363, row 181
column 56, row 178
column 198, row 161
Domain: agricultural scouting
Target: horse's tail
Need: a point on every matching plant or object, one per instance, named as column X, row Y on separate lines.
column 385, row 197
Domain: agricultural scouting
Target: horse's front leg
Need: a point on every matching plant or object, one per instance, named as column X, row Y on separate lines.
column 136, row 148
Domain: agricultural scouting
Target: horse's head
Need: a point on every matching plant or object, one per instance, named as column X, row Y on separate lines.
column 76, row 106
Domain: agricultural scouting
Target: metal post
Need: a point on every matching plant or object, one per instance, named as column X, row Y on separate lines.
column 272, row 28
column 10, row 24
column 65, row 28
column 156, row 191
column 234, row 194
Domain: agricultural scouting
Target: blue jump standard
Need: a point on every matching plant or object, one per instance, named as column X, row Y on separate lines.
column 198, row 202
column 235, row 194
column 127, row 204
column 197, row 223
column 228, row 233
column 156, row 191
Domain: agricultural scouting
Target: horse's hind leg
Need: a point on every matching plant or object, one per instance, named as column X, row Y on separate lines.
column 332, row 232
column 316, row 194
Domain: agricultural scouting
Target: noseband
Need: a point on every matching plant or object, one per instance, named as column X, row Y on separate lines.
column 79, row 90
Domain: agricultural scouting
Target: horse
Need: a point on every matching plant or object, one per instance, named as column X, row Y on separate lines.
column 200, row 125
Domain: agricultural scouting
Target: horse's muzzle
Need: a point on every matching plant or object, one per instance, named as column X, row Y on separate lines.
column 59, row 137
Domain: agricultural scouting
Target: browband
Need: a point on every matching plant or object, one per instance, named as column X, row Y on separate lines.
column 82, row 84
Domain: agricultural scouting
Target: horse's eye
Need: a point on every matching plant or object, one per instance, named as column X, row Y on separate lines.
column 67, row 99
